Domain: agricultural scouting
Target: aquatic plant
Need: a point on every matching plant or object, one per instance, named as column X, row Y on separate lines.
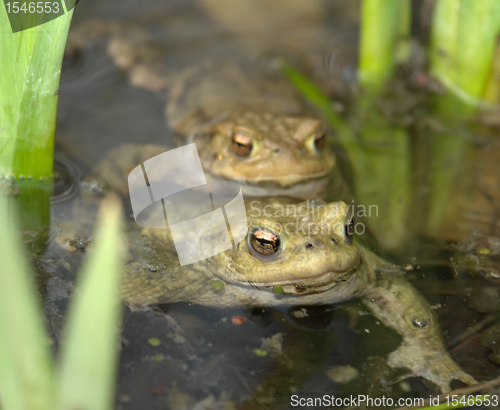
column 385, row 36
column 463, row 47
column 85, row 374
column 382, row 174
column 464, row 58
column 30, row 67
column 30, row 63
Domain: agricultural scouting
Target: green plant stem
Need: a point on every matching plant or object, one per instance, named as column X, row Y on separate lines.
column 30, row 66
column 464, row 42
column 384, row 168
column 385, row 29
column 32, row 201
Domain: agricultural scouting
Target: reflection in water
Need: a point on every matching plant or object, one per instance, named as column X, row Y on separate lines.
column 65, row 180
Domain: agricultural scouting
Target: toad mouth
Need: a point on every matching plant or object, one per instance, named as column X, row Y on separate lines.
column 288, row 181
column 314, row 284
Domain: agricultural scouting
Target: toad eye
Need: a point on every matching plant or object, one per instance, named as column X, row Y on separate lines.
column 265, row 243
column 320, row 141
column 349, row 228
column 241, row 144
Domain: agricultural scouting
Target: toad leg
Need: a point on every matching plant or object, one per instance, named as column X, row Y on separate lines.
column 396, row 303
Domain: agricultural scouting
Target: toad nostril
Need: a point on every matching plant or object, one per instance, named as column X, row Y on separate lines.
column 309, row 246
column 334, row 241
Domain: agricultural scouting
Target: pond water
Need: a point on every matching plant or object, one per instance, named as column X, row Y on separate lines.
column 213, row 358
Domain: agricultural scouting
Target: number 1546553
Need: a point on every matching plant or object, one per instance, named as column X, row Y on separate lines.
column 32, row 7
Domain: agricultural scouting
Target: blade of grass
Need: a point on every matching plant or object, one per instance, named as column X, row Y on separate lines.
column 26, row 374
column 89, row 352
column 312, row 92
column 30, row 67
column 316, row 96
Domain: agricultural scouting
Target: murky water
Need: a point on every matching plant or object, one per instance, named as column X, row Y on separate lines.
column 213, row 358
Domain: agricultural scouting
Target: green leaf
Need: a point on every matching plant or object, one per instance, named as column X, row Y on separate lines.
column 89, row 351
column 26, row 374
column 30, row 67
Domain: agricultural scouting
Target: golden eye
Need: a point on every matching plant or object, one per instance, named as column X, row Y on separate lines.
column 320, row 141
column 350, row 227
column 241, row 144
column 265, row 243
